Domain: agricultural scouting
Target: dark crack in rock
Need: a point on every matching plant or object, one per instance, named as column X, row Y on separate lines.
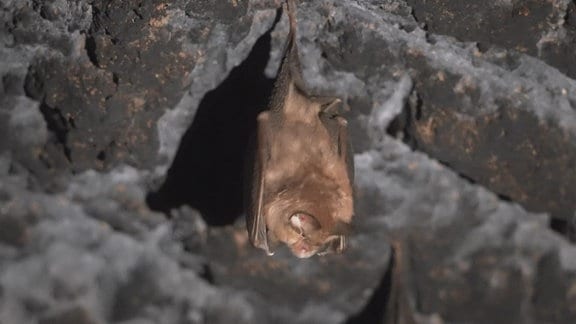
column 220, row 132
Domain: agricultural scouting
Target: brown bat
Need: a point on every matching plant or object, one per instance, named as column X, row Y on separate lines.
column 399, row 307
column 300, row 191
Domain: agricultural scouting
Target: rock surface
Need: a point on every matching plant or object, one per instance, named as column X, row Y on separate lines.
column 123, row 126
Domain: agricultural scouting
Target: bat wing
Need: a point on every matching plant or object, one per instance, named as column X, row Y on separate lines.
column 255, row 218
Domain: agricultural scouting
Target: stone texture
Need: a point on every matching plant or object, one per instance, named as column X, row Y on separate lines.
column 123, row 126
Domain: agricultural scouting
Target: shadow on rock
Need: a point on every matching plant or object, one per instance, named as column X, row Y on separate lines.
column 208, row 170
column 378, row 305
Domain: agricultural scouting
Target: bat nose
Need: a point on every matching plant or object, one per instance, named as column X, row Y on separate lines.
column 302, row 249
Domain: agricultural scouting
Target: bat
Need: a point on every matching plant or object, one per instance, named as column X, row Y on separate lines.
column 300, row 187
column 398, row 309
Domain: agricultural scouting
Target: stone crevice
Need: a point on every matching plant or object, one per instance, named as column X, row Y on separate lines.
column 220, row 133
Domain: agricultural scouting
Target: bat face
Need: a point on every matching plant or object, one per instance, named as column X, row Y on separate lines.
column 306, row 207
column 309, row 239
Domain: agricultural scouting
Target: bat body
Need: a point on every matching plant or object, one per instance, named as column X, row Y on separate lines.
column 300, row 190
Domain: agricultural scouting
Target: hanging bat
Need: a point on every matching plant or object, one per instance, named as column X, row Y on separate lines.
column 399, row 307
column 300, row 190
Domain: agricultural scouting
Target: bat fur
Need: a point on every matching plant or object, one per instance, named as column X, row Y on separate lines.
column 301, row 188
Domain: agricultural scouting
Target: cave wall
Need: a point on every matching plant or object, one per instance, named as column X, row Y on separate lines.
column 123, row 126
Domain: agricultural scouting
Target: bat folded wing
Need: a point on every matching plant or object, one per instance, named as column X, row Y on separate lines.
column 255, row 218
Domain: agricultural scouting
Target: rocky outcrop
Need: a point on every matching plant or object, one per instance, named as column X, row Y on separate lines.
column 123, row 129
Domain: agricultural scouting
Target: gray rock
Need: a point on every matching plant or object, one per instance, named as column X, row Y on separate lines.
column 113, row 112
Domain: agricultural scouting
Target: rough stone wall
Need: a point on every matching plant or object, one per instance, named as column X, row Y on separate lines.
column 123, row 129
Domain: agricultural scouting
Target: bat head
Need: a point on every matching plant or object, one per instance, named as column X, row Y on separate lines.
column 309, row 238
column 311, row 216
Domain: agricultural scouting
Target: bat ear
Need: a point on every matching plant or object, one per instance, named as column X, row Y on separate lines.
column 340, row 244
column 334, row 244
